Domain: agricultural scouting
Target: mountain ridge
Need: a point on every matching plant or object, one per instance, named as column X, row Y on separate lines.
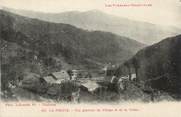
column 96, row 20
column 158, row 66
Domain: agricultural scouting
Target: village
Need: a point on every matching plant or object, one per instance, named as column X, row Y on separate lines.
column 74, row 85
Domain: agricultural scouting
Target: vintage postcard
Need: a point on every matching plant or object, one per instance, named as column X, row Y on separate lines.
column 72, row 58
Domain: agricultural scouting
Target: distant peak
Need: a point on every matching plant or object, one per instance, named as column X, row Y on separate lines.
column 94, row 11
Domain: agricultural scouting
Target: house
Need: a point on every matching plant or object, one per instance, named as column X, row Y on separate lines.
column 126, row 77
column 62, row 75
column 109, row 69
column 57, row 77
column 133, row 76
column 76, row 74
column 90, row 85
column 129, row 77
column 50, row 79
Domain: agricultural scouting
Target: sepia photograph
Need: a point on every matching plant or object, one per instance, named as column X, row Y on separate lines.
column 66, row 57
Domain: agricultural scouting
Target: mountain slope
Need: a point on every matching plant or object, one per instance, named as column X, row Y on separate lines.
column 159, row 65
column 34, row 46
column 96, row 20
column 72, row 44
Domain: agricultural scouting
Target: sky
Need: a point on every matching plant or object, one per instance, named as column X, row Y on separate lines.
column 163, row 12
